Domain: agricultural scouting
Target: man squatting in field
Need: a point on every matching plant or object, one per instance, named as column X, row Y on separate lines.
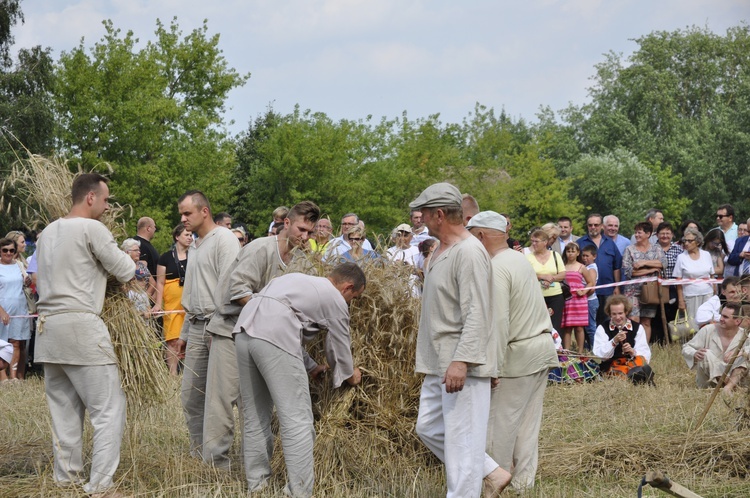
column 75, row 255
column 455, row 348
column 525, row 353
column 255, row 265
column 274, row 366
column 211, row 255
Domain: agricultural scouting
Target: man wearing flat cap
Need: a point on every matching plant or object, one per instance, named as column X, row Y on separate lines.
column 524, row 353
column 453, row 348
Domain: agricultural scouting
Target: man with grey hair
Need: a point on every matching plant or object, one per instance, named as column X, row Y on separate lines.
column 525, row 353
column 453, row 346
column 339, row 245
column 612, row 230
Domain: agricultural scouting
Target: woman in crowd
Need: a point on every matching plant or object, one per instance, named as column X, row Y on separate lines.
column 13, row 303
column 688, row 224
column 639, row 260
column 357, row 254
column 550, row 271
column 621, row 341
column 665, row 234
column 694, row 262
column 170, row 277
column 146, row 282
column 716, row 245
column 553, row 232
column 576, row 313
column 20, row 240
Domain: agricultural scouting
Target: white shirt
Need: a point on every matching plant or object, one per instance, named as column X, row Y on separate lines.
column 686, row 267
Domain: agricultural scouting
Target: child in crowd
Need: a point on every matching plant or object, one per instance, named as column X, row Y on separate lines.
column 588, row 255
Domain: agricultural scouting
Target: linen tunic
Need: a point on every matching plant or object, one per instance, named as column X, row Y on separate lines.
column 215, row 253
column 456, row 320
column 75, row 256
column 522, row 323
column 291, row 310
column 713, row 364
column 255, row 265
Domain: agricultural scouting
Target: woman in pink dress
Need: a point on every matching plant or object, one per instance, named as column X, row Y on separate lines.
column 576, row 315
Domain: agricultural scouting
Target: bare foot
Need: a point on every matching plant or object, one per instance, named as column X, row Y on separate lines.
column 496, row 482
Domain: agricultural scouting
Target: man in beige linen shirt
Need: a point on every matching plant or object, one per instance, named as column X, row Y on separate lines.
column 453, row 346
column 210, row 255
column 75, row 255
column 274, row 366
column 525, row 353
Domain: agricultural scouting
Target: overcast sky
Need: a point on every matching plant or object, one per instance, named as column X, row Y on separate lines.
column 354, row 58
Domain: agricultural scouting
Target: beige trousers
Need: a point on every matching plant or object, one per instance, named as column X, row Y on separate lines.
column 513, row 428
column 222, row 393
column 71, row 391
column 193, row 391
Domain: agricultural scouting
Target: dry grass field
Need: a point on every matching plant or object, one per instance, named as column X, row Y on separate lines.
column 597, row 440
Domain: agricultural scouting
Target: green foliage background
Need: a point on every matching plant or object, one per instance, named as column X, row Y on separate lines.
column 667, row 126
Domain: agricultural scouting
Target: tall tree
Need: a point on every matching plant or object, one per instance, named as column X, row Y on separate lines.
column 26, row 117
column 680, row 100
column 156, row 114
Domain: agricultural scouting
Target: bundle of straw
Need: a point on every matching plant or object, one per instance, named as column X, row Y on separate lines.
column 39, row 189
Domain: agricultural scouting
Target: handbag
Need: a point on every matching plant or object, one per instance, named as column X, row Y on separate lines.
column 28, row 292
column 566, row 293
column 682, row 327
column 653, row 293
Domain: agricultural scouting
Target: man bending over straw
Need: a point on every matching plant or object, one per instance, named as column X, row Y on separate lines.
column 454, row 348
column 256, row 264
column 75, row 255
column 273, row 366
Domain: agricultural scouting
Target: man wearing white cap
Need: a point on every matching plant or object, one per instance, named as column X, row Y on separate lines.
column 453, row 345
column 525, row 353
column 76, row 255
column 403, row 250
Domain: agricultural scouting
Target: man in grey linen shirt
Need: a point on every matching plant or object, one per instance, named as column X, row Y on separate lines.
column 453, row 346
column 274, row 366
column 525, row 353
column 210, row 255
column 256, row 264
column 75, row 256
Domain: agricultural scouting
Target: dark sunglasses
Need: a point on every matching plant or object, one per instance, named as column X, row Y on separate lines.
column 8, row 250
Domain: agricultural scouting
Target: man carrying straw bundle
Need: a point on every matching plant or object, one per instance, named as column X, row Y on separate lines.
column 454, row 348
column 75, row 255
column 274, row 366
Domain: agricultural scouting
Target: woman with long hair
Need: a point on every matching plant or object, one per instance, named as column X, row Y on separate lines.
column 170, row 277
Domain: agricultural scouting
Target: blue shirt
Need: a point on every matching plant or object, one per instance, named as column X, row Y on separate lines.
column 621, row 243
column 608, row 259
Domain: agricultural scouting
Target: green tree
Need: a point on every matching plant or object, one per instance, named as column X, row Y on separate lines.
column 679, row 100
column 154, row 113
column 26, row 117
column 617, row 182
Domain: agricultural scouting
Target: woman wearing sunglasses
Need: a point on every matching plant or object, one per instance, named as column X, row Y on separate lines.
column 13, row 303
